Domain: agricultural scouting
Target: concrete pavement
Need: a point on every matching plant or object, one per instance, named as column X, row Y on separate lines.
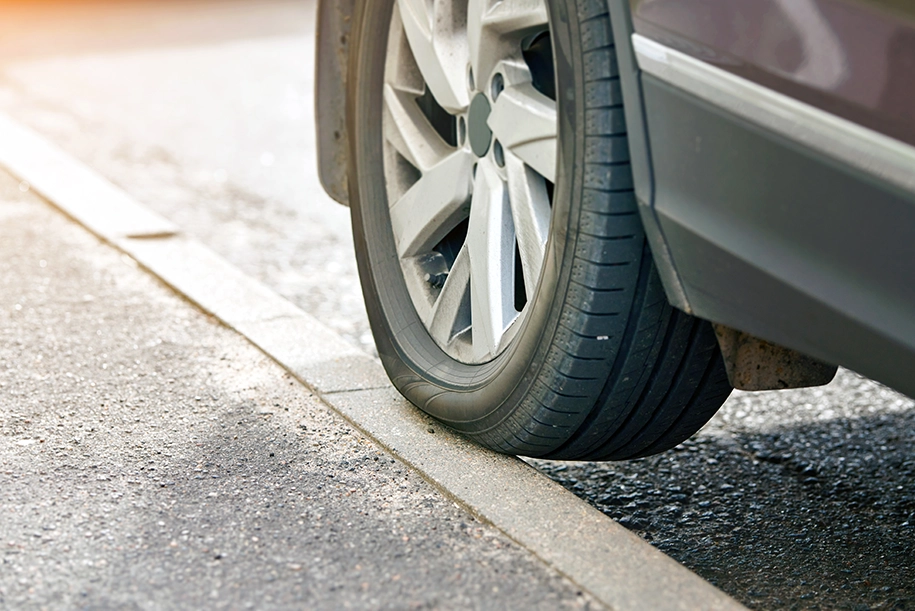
column 597, row 555
column 152, row 458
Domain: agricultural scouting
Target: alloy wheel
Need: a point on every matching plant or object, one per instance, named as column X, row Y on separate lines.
column 469, row 129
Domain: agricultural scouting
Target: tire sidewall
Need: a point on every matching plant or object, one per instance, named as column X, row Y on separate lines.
column 471, row 398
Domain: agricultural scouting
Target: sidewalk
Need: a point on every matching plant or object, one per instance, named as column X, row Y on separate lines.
column 152, row 458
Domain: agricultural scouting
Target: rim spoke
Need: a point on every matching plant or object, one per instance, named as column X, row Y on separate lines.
column 491, row 246
column 401, row 70
column 530, row 206
column 524, row 121
column 489, row 22
column 506, row 16
column 449, row 307
column 435, row 36
column 410, row 132
column 433, row 205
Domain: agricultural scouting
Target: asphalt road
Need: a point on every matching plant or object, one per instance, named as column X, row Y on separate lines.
column 802, row 499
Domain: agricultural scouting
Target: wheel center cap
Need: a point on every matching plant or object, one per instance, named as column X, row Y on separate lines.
column 478, row 131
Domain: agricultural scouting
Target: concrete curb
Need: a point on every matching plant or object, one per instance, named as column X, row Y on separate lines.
column 603, row 558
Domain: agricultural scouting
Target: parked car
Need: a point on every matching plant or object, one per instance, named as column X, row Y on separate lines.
column 579, row 223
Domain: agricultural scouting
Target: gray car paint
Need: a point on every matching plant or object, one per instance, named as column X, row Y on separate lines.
column 854, row 59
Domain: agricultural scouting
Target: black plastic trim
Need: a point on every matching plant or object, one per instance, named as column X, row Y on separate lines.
column 332, row 57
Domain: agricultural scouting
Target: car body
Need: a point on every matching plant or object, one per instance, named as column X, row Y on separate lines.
column 772, row 152
column 778, row 139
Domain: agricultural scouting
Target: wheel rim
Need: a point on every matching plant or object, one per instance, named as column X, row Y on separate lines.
column 469, row 129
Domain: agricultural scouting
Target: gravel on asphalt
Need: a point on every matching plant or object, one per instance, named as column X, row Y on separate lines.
column 787, row 499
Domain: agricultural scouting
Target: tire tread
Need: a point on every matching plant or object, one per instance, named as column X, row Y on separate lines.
column 651, row 394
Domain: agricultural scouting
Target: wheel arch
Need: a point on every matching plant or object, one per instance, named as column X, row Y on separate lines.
column 640, row 151
column 772, row 366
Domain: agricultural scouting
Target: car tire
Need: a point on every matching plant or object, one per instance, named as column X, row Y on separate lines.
column 595, row 364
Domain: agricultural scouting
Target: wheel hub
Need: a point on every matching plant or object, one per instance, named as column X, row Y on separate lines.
column 477, row 127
